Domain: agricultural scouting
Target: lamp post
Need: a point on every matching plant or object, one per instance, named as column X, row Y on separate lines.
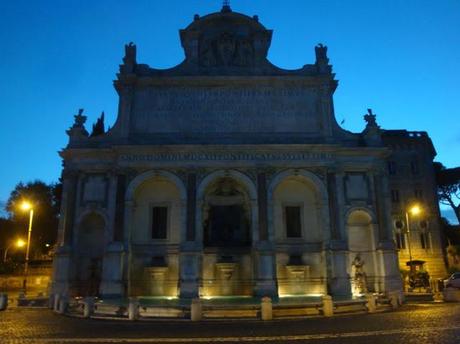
column 27, row 206
column 413, row 210
column 18, row 243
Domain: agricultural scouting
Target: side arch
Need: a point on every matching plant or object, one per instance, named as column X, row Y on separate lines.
column 311, row 180
column 138, row 180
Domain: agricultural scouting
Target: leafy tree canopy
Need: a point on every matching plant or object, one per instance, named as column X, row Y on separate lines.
column 46, row 203
column 448, row 183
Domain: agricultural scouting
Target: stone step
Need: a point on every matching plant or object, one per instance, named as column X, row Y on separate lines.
column 419, row 297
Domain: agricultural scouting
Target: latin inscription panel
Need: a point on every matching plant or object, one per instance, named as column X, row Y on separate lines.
column 225, row 109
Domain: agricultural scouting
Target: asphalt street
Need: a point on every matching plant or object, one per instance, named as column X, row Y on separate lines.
column 414, row 323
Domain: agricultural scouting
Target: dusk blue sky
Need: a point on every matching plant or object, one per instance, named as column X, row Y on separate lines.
column 400, row 58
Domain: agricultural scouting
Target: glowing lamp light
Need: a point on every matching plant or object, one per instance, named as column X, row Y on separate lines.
column 26, row 206
column 20, row 243
column 415, row 210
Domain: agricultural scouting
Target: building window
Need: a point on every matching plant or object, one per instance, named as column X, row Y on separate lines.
column 400, row 241
column 159, row 222
column 425, row 240
column 418, row 194
column 293, row 221
column 414, row 167
column 391, row 167
column 395, row 196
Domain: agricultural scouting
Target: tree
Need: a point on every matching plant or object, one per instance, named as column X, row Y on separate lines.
column 448, row 184
column 46, row 200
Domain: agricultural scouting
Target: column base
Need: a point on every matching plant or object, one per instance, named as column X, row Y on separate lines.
column 266, row 288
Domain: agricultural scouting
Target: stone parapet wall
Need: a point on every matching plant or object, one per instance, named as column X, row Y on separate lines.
column 35, row 283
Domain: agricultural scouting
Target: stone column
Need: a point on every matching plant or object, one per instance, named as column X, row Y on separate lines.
column 124, row 107
column 191, row 250
column 68, row 205
column 62, row 259
column 112, row 284
column 265, row 269
column 62, row 270
column 111, row 205
column 262, row 205
column 190, row 271
column 382, row 208
column 339, row 282
column 338, row 279
column 341, row 203
column 333, row 206
column 191, row 207
column 119, row 208
column 128, row 258
column 386, row 247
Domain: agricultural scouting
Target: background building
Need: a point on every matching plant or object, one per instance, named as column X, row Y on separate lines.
column 413, row 180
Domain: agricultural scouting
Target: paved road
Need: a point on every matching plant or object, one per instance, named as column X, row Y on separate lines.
column 415, row 323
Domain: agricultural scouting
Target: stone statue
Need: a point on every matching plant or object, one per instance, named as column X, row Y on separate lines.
column 77, row 130
column 129, row 61
column 80, row 119
column 370, row 118
column 321, row 53
column 360, row 275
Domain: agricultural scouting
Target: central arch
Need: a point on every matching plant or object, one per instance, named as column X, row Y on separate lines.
column 227, row 227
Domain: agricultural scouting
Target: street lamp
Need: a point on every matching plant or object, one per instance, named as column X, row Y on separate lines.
column 27, row 206
column 414, row 210
column 19, row 243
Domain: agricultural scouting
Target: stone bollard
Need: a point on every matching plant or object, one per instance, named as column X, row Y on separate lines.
column 56, row 302
column 133, row 309
column 3, row 301
column 88, row 307
column 62, row 305
column 196, row 310
column 328, row 306
column 371, row 303
column 394, row 300
column 51, row 301
column 266, row 308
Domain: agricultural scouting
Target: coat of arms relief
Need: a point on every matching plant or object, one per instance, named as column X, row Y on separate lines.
column 226, row 50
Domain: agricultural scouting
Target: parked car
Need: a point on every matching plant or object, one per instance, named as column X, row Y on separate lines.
column 453, row 281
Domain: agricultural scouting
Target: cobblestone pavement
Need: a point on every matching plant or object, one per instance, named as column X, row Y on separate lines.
column 416, row 323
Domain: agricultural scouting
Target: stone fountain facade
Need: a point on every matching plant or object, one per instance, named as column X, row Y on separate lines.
column 224, row 176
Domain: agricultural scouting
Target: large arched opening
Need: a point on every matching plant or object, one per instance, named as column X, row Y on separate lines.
column 157, row 226
column 298, row 226
column 227, row 216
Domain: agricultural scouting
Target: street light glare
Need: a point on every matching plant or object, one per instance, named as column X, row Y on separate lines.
column 415, row 210
column 20, row 243
column 26, row 205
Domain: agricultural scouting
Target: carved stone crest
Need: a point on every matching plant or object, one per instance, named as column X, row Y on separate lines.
column 226, row 46
column 227, row 50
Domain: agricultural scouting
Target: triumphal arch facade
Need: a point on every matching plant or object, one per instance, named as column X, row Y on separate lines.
column 225, row 176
